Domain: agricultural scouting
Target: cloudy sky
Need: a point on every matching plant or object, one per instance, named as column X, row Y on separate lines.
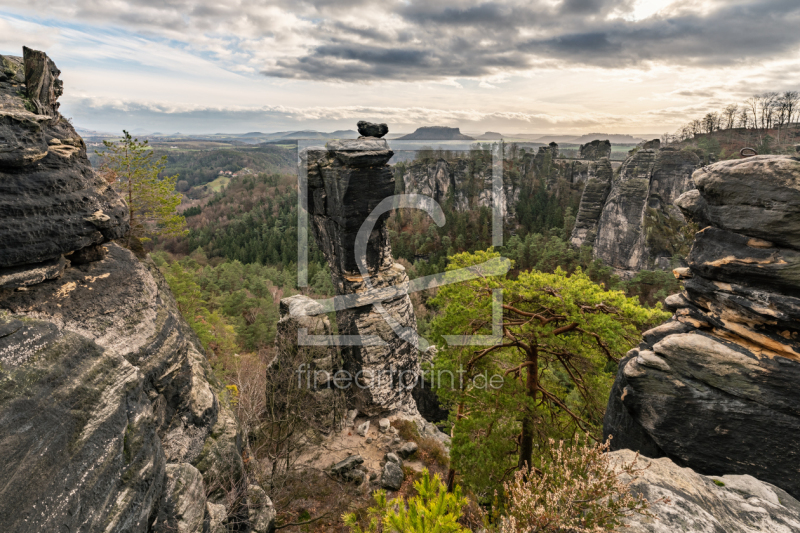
column 535, row 66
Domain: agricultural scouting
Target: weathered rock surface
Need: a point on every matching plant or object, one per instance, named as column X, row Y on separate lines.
column 51, row 201
column 104, row 378
column 707, row 504
column 595, row 192
column 639, row 227
column 392, row 476
column 384, row 363
column 714, row 389
column 466, row 180
column 595, row 150
column 183, row 501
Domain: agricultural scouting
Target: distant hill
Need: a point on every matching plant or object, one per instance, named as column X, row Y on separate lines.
column 490, row 136
column 436, row 133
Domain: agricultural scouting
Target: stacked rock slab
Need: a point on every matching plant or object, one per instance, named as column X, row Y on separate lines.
column 715, row 389
column 639, row 227
column 346, row 183
column 110, row 416
column 51, row 201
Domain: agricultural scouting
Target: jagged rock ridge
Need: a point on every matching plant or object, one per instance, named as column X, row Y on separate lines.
column 714, row 388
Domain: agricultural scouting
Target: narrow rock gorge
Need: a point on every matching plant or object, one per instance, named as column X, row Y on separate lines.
column 714, row 388
column 110, row 416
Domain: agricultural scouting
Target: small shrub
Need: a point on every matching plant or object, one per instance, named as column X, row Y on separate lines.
column 432, row 509
column 575, row 489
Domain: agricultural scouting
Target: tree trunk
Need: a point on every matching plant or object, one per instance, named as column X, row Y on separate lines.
column 531, row 387
column 451, row 474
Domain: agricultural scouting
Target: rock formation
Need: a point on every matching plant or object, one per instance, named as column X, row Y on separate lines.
column 595, row 192
column 714, row 389
column 51, row 202
column 436, row 133
column 346, row 183
column 595, row 150
column 707, row 504
column 466, row 180
column 638, row 226
column 110, row 417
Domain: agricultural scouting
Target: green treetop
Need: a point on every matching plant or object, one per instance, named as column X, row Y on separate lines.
column 152, row 200
column 562, row 337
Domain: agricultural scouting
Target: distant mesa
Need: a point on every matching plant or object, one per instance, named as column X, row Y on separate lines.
column 369, row 129
column 436, row 133
column 490, row 136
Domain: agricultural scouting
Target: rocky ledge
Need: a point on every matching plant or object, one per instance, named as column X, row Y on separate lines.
column 714, row 389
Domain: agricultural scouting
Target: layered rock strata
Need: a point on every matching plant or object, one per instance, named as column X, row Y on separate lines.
column 110, row 416
column 51, row 201
column 106, row 382
column 346, row 183
column 595, row 192
column 714, row 388
column 638, row 226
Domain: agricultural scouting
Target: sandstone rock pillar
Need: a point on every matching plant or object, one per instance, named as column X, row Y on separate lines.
column 346, row 183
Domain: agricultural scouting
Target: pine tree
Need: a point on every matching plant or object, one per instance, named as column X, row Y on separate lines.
column 152, row 200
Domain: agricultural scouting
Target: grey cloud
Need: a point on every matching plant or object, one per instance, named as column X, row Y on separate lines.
column 576, row 32
column 365, row 41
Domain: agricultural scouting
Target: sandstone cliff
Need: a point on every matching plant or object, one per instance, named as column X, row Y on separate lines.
column 463, row 182
column 110, row 417
column 714, row 388
column 638, row 226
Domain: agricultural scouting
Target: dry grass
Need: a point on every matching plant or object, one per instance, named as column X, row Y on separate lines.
column 430, row 451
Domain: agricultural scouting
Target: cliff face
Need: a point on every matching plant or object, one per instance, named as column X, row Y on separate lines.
column 714, row 388
column 638, row 226
column 110, row 417
column 51, row 202
column 467, row 181
column 598, row 184
column 346, row 183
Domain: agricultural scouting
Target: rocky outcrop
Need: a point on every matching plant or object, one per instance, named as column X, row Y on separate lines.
column 706, row 504
column 346, row 183
column 464, row 181
column 51, row 201
column 639, row 227
column 110, row 416
column 714, row 388
column 436, row 133
column 595, row 150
